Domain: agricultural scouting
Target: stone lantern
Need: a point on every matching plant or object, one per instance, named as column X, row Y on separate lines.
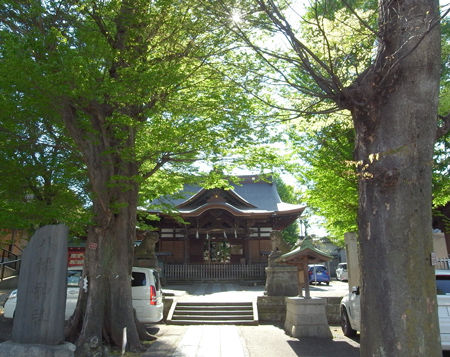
column 305, row 316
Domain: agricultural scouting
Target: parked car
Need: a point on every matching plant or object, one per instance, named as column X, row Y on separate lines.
column 341, row 272
column 443, row 300
column 351, row 310
column 318, row 274
column 145, row 289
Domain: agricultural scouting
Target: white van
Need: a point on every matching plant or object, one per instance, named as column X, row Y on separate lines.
column 145, row 289
column 341, row 272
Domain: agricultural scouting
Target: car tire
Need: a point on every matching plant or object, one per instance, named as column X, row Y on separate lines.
column 328, row 283
column 345, row 324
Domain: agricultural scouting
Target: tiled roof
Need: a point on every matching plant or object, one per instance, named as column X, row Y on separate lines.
column 260, row 194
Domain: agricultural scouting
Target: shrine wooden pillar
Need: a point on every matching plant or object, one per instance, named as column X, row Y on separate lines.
column 186, row 247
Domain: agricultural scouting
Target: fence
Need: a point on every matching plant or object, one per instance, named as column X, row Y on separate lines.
column 180, row 272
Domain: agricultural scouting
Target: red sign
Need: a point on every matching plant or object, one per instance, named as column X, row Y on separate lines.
column 92, row 246
column 76, row 257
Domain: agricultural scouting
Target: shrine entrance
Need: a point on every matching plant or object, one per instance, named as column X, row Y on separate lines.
column 216, row 251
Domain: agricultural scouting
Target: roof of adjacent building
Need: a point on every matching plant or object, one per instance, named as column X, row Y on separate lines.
column 305, row 253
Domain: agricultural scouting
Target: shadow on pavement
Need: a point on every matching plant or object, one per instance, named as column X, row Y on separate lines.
column 318, row 347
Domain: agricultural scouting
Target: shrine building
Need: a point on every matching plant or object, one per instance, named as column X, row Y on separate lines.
column 222, row 230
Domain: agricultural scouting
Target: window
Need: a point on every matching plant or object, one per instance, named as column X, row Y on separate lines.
column 157, row 282
column 138, row 279
column 73, row 278
column 443, row 284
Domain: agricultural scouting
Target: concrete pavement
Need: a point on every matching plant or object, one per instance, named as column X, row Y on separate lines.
column 244, row 341
column 241, row 292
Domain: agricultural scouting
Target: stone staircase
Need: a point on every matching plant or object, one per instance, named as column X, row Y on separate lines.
column 213, row 313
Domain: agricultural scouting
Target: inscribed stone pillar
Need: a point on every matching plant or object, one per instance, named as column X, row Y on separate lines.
column 352, row 250
column 41, row 296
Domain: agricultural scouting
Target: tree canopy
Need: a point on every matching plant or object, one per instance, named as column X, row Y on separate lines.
column 392, row 93
column 140, row 88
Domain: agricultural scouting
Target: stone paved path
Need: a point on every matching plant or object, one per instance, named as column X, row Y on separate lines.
column 243, row 341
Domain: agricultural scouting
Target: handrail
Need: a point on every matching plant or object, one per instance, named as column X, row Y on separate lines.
column 15, row 266
column 15, row 263
column 10, row 261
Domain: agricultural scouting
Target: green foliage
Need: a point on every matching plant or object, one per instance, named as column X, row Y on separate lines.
column 144, row 81
column 288, row 194
column 329, row 176
column 43, row 180
column 441, row 165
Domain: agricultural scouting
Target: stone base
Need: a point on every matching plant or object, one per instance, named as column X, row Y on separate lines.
column 9, row 348
column 281, row 281
column 306, row 318
column 146, row 263
column 333, row 310
column 271, row 309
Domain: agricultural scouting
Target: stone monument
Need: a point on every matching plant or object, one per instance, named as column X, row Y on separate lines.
column 305, row 316
column 38, row 327
column 352, row 252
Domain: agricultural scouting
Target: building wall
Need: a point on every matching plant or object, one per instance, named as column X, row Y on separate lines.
column 174, row 247
column 15, row 240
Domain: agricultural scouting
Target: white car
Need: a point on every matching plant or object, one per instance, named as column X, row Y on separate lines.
column 341, row 272
column 145, row 289
column 443, row 300
column 351, row 311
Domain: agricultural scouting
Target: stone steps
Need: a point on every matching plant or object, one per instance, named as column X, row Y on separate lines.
column 198, row 313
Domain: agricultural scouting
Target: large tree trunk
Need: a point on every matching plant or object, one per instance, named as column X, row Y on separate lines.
column 108, row 302
column 395, row 121
column 106, row 308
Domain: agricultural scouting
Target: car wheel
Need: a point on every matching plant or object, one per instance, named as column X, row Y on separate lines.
column 328, row 283
column 345, row 324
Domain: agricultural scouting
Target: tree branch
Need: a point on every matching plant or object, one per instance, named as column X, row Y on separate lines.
column 363, row 22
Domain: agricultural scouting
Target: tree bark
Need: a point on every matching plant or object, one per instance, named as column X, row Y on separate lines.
column 394, row 111
column 106, row 308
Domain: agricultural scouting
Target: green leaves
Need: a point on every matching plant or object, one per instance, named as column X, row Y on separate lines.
column 142, row 88
column 329, row 176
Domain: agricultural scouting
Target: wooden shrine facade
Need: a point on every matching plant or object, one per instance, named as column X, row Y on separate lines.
column 228, row 227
